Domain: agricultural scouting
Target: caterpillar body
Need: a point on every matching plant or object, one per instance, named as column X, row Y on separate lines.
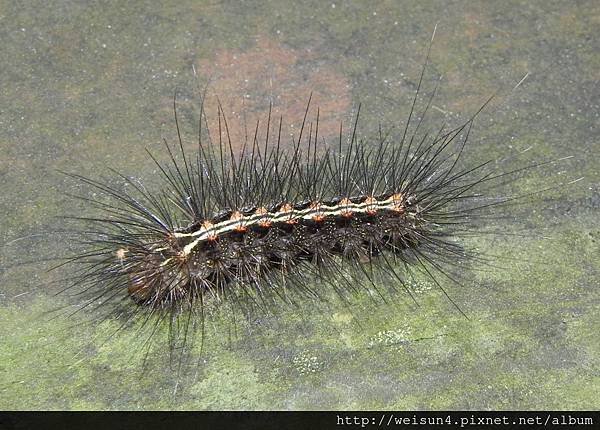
column 267, row 220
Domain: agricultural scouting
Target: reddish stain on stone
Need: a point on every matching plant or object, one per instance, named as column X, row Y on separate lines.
column 246, row 82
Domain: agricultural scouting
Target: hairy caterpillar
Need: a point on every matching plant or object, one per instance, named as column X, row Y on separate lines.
column 270, row 222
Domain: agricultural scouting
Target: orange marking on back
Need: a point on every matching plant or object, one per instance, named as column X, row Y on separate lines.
column 398, row 200
column 265, row 223
column 318, row 216
column 238, row 216
column 285, row 208
column 346, row 213
column 371, row 202
column 207, row 225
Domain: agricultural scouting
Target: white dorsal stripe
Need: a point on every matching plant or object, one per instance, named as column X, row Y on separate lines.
column 209, row 230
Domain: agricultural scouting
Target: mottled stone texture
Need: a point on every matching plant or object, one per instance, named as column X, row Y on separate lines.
column 86, row 88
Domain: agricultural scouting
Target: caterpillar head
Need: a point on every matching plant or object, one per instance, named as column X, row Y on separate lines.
column 155, row 277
